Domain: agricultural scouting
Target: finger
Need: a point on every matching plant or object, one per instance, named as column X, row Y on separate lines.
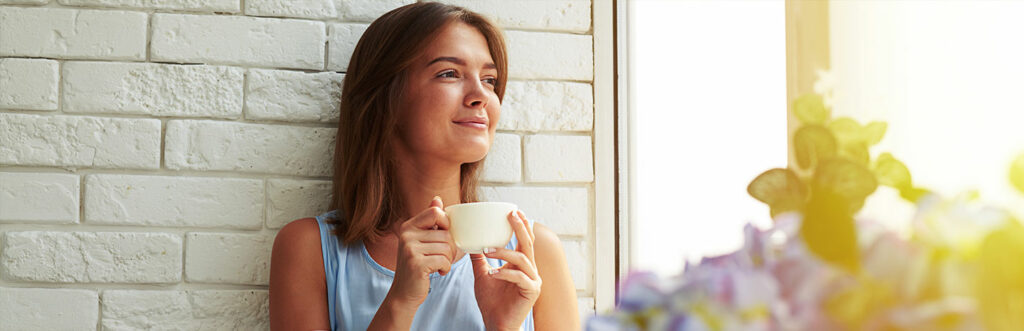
column 480, row 265
column 435, row 263
column 429, row 219
column 442, row 249
column 516, row 277
column 517, row 259
column 434, row 236
column 527, row 223
column 522, row 234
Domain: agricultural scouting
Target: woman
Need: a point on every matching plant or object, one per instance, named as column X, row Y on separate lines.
column 420, row 105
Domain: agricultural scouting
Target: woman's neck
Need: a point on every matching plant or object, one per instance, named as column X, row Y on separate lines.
column 419, row 182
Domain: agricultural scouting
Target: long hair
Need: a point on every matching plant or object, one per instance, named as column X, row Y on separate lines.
column 365, row 192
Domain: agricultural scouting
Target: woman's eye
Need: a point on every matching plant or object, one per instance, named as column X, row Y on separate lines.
column 491, row 80
column 447, row 74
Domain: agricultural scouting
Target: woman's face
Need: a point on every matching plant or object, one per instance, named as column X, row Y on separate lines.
column 450, row 109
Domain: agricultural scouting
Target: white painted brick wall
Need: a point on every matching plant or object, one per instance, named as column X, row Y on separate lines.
column 293, row 96
column 48, row 309
column 166, row 201
column 547, row 106
column 185, row 310
column 153, row 89
column 546, row 155
column 546, row 15
column 504, row 162
column 28, row 84
column 228, row 258
column 342, row 42
column 38, row 198
column 78, row 141
column 262, row 42
column 289, row 199
column 229, row 146
column 92, row 257
column 222, row 6
column 72, row 34
column 150, row 150
column 366, row 10
column 313, row 9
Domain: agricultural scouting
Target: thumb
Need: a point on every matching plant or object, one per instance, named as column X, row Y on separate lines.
column 436, row 202
column 480, row 265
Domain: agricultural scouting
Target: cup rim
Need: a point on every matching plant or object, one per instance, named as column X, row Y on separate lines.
column 470, row 204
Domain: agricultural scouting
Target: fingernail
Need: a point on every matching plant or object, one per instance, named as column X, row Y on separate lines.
column 489, row 250
column 521, row 215
column 492, row 271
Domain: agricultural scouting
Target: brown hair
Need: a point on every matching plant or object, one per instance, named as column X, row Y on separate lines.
column 364, row 193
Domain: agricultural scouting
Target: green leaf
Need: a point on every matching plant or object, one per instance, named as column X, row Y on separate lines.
column 892, row 172
column 857, row 151
column 813, row 143
column 1000, row 278
column 848, row 130
column 847, row 179
column 828, row 230
column 810, row 109
column 1017, row 173
column 874, row 132
column 781, row 189
column 913, row 194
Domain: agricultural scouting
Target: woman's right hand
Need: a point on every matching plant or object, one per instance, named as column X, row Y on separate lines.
column 424, row 246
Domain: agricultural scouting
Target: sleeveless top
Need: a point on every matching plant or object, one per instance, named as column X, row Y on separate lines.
column 357, row 285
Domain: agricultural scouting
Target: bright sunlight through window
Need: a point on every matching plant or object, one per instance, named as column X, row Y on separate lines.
column 710, row 116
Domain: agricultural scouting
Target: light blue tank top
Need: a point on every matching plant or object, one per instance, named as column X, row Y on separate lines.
column 357, row 285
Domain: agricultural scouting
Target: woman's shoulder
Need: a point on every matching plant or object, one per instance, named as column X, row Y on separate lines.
column 299, row 235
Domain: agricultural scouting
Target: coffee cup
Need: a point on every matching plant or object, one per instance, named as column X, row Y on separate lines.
column 479, row 225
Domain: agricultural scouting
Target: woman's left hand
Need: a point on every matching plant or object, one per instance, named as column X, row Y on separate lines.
column 506, row 295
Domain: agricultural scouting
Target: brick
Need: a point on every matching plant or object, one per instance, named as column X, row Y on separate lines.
column 315, row 9
column 38, row 198
column 504, row 162
column 587, row 310
column 293, row 96
column 48, row 309
column 214, row 145
column 578, row 257
column 549, row 15
column 29, row 84
column 552, row 158
column 547, row 106
column 289, row 200
column 228, row 258
column 92, row 257
column 220, row 6
column 565, row 210
column 367, row 10
column 24, row 2
column 174, row 201
column 238, row 40
column 531, row 56
column 153, row 89
column 186, row 310
column 72, row 33
column 343, row 39
column 75, row 141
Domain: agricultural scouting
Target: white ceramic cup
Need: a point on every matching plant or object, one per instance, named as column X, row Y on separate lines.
column 478, row 225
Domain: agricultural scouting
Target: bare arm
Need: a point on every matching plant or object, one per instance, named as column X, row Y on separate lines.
column 558, row 294
column 298, row 286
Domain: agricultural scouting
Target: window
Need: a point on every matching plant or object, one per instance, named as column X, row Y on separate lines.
column 710, row 115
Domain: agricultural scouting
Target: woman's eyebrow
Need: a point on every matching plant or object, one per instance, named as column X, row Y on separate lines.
column 452, row 59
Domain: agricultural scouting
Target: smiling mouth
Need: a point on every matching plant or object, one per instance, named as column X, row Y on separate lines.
column 475, row 125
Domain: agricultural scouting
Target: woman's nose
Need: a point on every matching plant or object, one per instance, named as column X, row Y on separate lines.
column 476, row 97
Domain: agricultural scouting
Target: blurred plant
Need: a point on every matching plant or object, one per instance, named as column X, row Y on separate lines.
column 820, row 268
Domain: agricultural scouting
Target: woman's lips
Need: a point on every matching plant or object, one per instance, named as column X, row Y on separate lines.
column 473, row 125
